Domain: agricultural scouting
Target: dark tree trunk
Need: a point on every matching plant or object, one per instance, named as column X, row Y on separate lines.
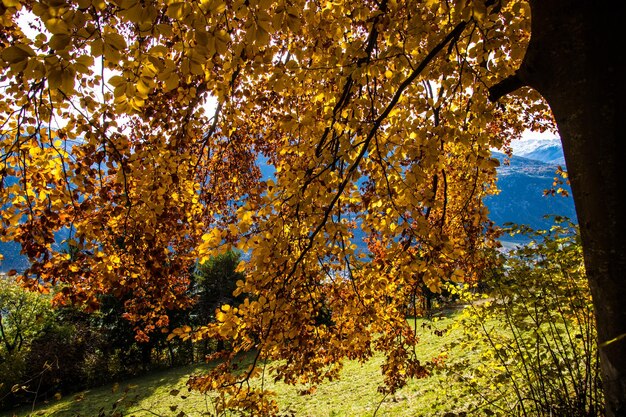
column 575, row 59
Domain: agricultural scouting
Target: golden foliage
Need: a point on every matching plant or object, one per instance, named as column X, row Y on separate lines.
column 374, row 116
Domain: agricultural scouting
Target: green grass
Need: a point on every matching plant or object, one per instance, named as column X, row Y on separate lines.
column 354, row 394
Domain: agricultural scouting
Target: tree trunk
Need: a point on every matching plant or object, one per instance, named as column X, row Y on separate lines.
column 575, row 60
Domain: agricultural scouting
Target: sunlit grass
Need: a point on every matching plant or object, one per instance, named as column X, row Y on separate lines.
column 354, row 394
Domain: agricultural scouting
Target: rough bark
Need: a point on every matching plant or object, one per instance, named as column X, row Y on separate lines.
column 575, row 59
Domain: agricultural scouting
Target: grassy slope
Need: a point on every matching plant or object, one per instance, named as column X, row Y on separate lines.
column 355, row 394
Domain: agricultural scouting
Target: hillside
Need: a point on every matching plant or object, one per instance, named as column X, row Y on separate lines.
column 522, row 182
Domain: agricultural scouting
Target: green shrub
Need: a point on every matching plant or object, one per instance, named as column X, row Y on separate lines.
column 23, row 317
column 536, row 332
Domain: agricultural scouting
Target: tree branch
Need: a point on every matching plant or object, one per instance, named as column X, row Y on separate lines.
column 451, row 37
column 506, row 86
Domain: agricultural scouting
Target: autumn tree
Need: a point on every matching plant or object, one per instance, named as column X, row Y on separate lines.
column 375, row 115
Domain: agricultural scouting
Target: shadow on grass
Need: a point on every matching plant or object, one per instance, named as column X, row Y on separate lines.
column 157, row 393
column 128, row 397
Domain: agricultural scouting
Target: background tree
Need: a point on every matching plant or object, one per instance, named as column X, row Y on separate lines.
column 215, row 281
column 22, row 316
column 535, row 329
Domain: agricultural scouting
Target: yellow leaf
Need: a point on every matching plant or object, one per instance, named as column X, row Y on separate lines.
column 97, row 47
column 17, row 53
column 261, row 36
column 117, row 80
column 60, row 41
column 84, row 64
column 158, row 51
column 57, row 26
column 61, row 78
column 172, row 82
column 177, row 10
column 115, row 41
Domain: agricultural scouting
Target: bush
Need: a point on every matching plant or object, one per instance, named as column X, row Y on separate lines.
column 536, row 331
column 23, row 317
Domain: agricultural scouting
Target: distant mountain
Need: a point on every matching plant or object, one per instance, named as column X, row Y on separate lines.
column 544, row 150
column 522, row 183
column 12, row 257
column 11, row 250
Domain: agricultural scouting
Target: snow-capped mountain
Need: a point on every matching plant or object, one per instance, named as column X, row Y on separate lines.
column 540, row 149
